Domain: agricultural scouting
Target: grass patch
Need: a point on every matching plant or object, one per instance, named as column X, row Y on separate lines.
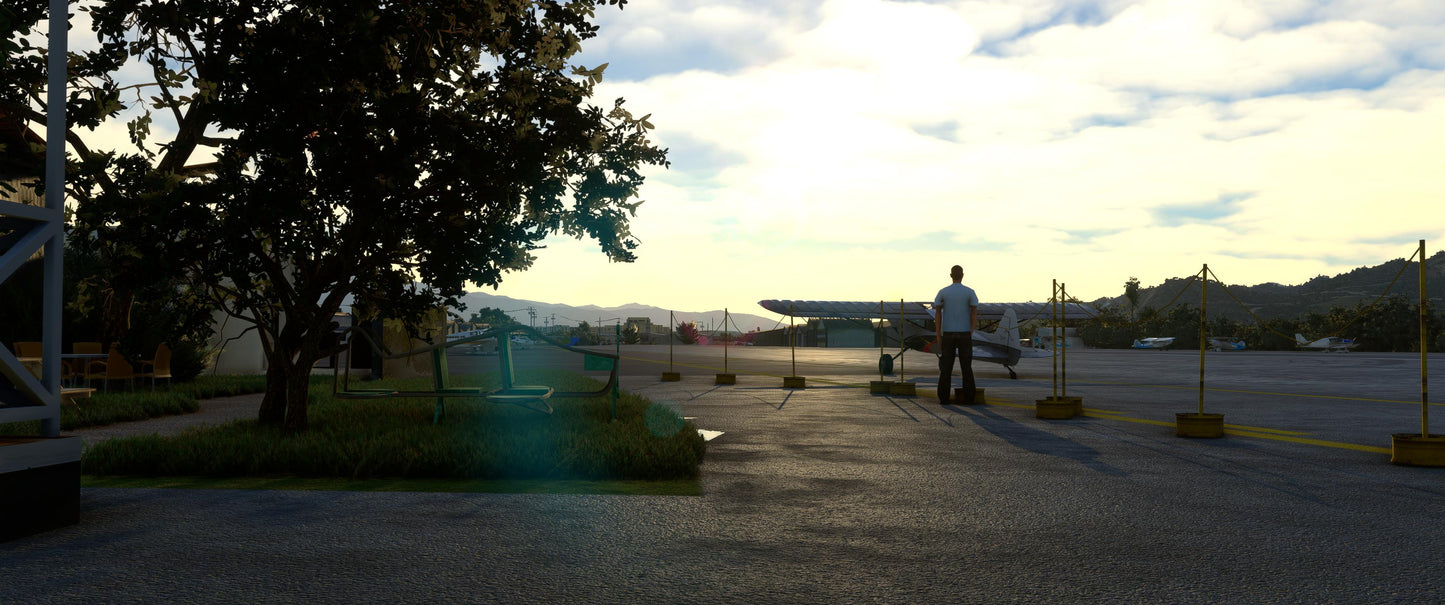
column 395, row 439
column 104, row 408
column 212, row 386
column 109, row 408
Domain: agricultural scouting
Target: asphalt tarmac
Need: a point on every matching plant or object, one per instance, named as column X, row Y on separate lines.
column 829, row 494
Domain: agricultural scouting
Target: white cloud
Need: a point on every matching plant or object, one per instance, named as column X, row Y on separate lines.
column 1208, row 48
column 882, row 122
column 854, row 149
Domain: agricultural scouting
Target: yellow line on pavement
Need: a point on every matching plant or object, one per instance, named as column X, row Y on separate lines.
column 1260, row 429
column 1230, row 429
column 1194, row 388
column 1320, row 442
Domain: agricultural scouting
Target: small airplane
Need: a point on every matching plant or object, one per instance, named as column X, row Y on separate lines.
column 1226, row 343
column 481, row 347
column 1000, row 346
column 1154, row 343
column 1326, row 344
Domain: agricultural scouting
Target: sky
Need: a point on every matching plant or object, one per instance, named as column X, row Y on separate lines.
column 857, row 149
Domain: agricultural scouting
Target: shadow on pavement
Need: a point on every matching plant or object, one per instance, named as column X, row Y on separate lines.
column 1037, row 441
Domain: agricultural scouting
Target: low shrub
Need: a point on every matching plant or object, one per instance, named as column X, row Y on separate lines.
column 395, row 438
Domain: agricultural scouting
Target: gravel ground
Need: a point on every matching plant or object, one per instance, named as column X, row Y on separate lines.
column 831, row 495
column 213, row 411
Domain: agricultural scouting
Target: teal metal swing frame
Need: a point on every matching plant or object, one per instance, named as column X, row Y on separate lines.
column 531, row 397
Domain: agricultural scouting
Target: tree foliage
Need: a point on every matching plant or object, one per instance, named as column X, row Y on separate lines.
column 584, row 334
column 687, row 333
column 490, row 316
column 1391, row 325
column 388, row 153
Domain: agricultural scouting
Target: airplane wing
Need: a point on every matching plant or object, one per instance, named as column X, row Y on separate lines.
column 914, row 311
column 1000, row 346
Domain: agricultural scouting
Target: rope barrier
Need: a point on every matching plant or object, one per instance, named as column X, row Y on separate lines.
column 1358, row 317
column 1156, row 312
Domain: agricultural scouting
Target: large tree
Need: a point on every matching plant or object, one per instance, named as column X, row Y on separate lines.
column 381, row 152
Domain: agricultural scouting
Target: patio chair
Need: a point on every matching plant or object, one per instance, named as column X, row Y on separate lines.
column 160, row 367
column 115, row 367
column 27, row 349
column 77, row 366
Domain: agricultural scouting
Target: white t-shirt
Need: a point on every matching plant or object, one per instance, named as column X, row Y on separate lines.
column 952, row 307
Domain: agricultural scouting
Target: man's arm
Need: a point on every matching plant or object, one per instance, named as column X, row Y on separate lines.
column 938, row 317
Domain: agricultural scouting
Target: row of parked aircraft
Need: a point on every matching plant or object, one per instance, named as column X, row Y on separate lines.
column 487, row 346
column 1230, row 343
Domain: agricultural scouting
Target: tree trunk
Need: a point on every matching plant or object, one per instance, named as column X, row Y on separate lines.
column 115, row 318
column 273, row 405
column 298, row 397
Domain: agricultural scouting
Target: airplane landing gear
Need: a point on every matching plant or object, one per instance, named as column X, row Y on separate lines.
column 1011, row 373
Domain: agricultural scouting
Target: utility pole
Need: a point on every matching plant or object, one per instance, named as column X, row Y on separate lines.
column 532, row 313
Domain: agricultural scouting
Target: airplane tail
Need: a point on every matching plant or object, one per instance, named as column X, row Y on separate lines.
column 1300, row 338
column 1008, row 329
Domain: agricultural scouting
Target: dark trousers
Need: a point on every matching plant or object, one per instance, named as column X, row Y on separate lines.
column 955, row 345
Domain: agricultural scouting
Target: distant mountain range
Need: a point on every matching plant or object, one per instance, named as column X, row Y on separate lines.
column 568, row 315
column 1268, row 300
column 1272, row 300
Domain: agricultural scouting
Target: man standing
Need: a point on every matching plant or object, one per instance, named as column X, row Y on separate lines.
column 955, row 315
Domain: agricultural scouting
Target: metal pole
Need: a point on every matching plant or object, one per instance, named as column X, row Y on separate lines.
column 881, row 352
column 618, row 344
column 672, row 330
column 1203, row 308
column 1424, row 348
column 1064, row 353
column 725, row 340
column 55, row 203
column 1054, row 332
column 902, row 352
column 792, row 340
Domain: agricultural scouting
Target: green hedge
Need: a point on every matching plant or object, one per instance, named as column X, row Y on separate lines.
column 395, row 438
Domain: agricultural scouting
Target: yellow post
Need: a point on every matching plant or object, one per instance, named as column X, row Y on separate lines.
column 903, row 352
column 1203, row 307
column 1424, row 347
column 1054, row 332
column 1064, row 354
column 792, row 340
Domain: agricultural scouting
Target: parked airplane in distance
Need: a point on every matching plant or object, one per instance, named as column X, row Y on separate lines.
column 481, row 347
column 1326, row 344
column 1226, row 343
column 1000, row 346
column 1154, row 343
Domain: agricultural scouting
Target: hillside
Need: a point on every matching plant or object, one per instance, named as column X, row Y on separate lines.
column 560, row 314
column 1275, row 301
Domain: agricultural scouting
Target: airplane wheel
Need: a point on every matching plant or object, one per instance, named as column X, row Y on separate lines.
column 1011, row 373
